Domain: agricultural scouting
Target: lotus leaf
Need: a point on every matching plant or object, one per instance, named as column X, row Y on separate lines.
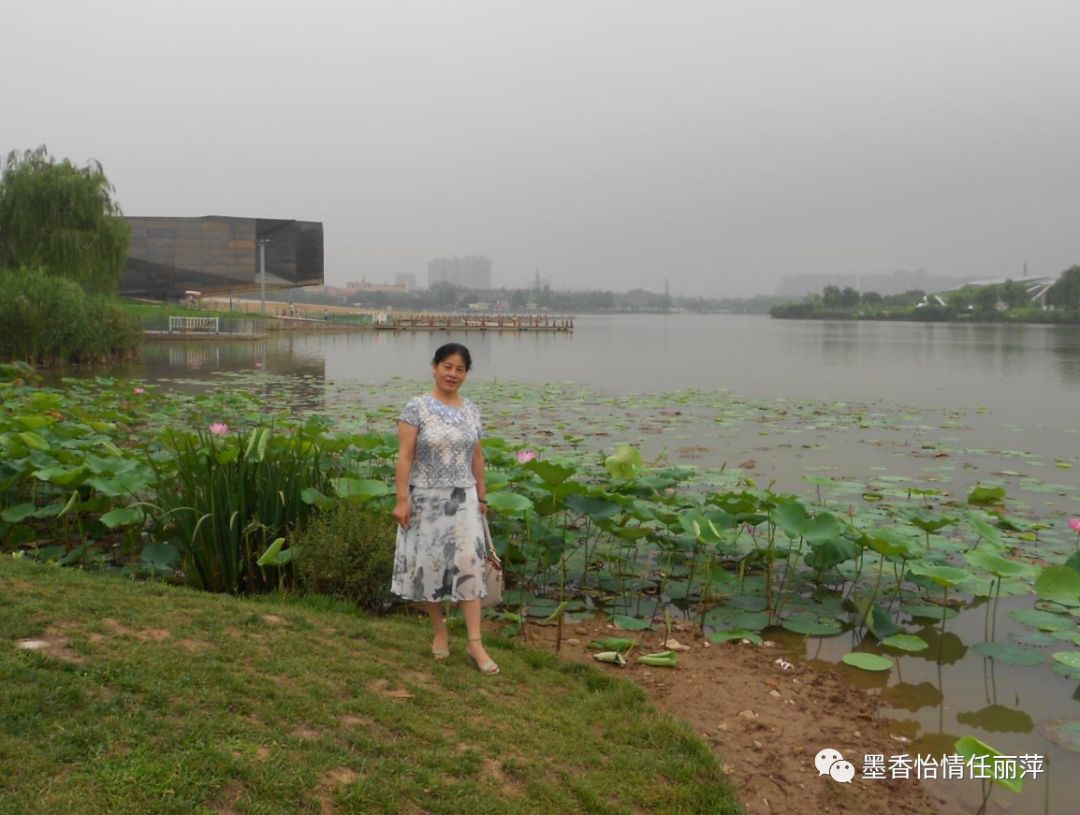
column 881, row 625
column 508, row 503
column 1059, row 584
column 735, row 634
column 1065, row 733
column 998, row 565
column 122, row 517
column 867, row 662
column 1068, row 658
column 986, row 496
column 164, row 557
column 1033, row 639
column 360, row 489
column 984, row 530
column 945, row 576
column 630, row 623
column 1042, row 620
column 551, row 473
column 830, row 553
column 790, row 515
column 596, row 508
column 1009, row 654
column 905, row 642
column 17, row 513
column 930, row 611
column 972, row 749
column 624, row 462
column 811, row 625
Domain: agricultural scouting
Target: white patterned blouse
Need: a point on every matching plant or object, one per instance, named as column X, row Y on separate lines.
column 445, row 440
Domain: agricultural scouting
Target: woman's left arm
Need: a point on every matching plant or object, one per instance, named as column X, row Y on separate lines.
column 478, row 474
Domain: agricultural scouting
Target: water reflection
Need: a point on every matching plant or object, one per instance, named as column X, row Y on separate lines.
column 997, row 719
column 911, row 697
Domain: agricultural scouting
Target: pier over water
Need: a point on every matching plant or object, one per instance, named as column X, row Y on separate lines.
column 429, row 321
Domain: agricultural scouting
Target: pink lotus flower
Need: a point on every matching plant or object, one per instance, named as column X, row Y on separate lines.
column 219, row 428
column 524, row 456
column 1074, row 524
column 258, row 364
column 138, row 390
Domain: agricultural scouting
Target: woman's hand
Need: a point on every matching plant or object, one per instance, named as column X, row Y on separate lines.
column 483, row 508
column 401, row 513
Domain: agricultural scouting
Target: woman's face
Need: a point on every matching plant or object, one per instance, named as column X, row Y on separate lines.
column 450, row 373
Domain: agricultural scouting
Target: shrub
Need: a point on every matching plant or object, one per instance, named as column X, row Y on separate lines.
column 51, row 321
column 348, row 552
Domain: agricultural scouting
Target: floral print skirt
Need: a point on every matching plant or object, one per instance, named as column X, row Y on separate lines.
column 441, row 555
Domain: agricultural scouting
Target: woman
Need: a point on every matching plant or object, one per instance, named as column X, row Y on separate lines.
column 440, row 504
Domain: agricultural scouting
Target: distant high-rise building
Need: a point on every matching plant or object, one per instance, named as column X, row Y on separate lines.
column 406, row 279
column 473, row 272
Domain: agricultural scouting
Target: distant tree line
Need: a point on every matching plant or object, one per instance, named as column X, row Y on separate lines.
column 1001, row 302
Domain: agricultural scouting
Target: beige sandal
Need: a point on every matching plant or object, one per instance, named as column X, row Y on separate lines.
column 488, row 667
column 440, row 653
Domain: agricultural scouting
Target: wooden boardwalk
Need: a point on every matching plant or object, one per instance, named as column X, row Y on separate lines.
column 475, row 322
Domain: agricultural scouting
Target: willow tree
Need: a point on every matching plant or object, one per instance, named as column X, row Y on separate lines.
column 62, row 219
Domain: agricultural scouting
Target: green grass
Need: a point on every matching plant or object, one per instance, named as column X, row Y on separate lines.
column 162, row 310
column 161, row 699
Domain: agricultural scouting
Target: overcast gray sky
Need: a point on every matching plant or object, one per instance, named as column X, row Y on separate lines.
column 607, row 143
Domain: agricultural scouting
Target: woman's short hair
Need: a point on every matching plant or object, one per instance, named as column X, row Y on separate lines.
column 449, row 350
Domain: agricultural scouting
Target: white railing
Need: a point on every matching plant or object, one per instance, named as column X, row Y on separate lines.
column 186, row 324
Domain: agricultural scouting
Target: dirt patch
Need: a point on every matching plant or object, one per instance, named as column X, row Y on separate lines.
column 224, row 803
column 194, row 646
column 350, row 721
column 273, row 619
column 53, row 644
column 766, row 724
column 417, row 678
column 324, row 792
column 307, row 734
column 492, row 770
column 382, row 687
column 141, row 634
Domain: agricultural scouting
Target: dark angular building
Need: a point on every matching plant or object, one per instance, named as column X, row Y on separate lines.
column 219, row 255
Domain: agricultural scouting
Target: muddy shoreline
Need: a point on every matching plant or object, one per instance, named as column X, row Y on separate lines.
column 766, row 722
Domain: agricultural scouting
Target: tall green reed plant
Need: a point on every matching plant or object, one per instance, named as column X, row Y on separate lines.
column 225, row 498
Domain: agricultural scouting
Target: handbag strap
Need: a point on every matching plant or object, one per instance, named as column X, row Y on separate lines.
column 489, row 544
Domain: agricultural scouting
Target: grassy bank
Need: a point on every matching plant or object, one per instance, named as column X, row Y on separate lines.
column 149, row 698
column 143, row 310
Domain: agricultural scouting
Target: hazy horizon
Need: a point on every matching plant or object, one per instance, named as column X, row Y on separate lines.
column 608, row 144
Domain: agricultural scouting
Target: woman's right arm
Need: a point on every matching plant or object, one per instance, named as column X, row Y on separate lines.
column 406, row 453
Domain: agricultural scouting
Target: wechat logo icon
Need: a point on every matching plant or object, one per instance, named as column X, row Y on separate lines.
column 829, row 762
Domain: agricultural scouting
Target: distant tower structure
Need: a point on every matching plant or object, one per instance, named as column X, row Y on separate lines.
column 1025, row 268
column 667, row 292
column 536, row 284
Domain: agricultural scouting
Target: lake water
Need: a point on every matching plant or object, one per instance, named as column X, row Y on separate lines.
column 863, row 402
